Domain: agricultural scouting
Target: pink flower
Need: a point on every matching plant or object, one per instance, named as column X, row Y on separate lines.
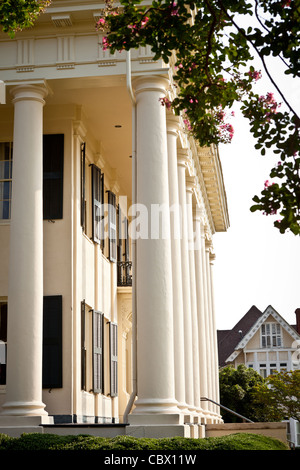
column 174, row 9
column 144, row 22
column 254, row 74
column 188, row 124
column 165, row 102
column 105, row 43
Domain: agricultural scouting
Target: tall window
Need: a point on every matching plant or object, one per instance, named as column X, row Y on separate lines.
column 271, row 335
column 98, row 349
column 53, row 163
column 52, row 341
column 6, row 155
column 112, row 226
column 98, row 205
column 113, row 340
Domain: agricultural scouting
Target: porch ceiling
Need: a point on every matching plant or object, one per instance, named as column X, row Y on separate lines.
column 106, row 106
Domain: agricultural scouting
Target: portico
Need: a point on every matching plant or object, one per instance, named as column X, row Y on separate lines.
column 175, row 357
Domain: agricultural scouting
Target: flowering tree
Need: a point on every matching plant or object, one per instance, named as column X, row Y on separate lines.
column 280, row 396
column 16, row 15
column 212, row 55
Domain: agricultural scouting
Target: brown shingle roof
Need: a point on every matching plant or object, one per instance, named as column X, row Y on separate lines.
column 228, row 339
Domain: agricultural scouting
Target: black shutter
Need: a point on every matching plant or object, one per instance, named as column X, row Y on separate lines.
column 119, row 244
column 52, row 342
column 98, row 362
column 82, row 186
column 98, row 206
column 83, row 348
column 112, row 226
column 53, row 164
column 126, row 239
column 113, row 337
column 127, row 259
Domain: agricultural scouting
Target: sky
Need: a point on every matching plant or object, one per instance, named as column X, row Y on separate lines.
column 255, row 264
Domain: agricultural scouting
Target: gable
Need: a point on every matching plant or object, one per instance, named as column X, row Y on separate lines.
column 269, row 314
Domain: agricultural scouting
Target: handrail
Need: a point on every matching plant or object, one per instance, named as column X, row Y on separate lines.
column 227, row 409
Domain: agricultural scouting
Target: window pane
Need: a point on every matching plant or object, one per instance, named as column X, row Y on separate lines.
column 5, row 179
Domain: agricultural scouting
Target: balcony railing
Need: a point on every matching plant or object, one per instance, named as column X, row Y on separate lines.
column 124, row 273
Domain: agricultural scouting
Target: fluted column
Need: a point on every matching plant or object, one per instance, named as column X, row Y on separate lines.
column 155, row 348
column 172, row 135
column 25, row 295
column 189, row 379
column 190, row 183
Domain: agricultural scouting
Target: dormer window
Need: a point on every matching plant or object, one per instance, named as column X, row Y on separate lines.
column 271, row 335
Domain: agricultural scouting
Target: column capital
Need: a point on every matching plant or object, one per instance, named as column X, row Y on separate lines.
column 198, row 213
column 30, row 91
column 150, row 83
column 190, row 182
column 173, row 123
column 183, row 158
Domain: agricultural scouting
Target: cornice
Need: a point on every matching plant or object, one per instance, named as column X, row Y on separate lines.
column 211, row 170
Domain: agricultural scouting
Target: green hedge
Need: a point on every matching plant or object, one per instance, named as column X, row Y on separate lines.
column 47, row 442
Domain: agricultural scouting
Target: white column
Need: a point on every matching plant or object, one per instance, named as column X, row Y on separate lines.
column 155, row 347
column 190, row 183
column 214, row 333
column 212, row 378
column 200, row 288
column 206, row 322
column 189, row 379
column 172, row 135
column 25, row 295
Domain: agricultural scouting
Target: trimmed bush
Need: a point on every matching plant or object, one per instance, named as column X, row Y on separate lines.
column 239, row 441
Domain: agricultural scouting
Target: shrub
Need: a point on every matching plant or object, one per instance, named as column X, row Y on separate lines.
column 239, row 441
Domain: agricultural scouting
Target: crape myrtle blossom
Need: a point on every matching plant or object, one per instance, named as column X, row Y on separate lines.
column 213, row 70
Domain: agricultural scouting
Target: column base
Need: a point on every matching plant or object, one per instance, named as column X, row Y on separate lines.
column 159, row 431
column 23, row 409
column 15, row 426
column 156, row 411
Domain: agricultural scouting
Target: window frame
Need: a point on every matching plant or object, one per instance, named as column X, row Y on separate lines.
column 271, row 335
column 98, row 352
column 8, row 180
column 113, row 351
column 98, row 229
column 112, row 227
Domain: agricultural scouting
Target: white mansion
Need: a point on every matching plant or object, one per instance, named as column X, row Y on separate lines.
column 106, row 295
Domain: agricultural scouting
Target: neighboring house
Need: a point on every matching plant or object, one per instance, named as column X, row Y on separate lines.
column 261, row 340
column 265, row 342
column 102, row 320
